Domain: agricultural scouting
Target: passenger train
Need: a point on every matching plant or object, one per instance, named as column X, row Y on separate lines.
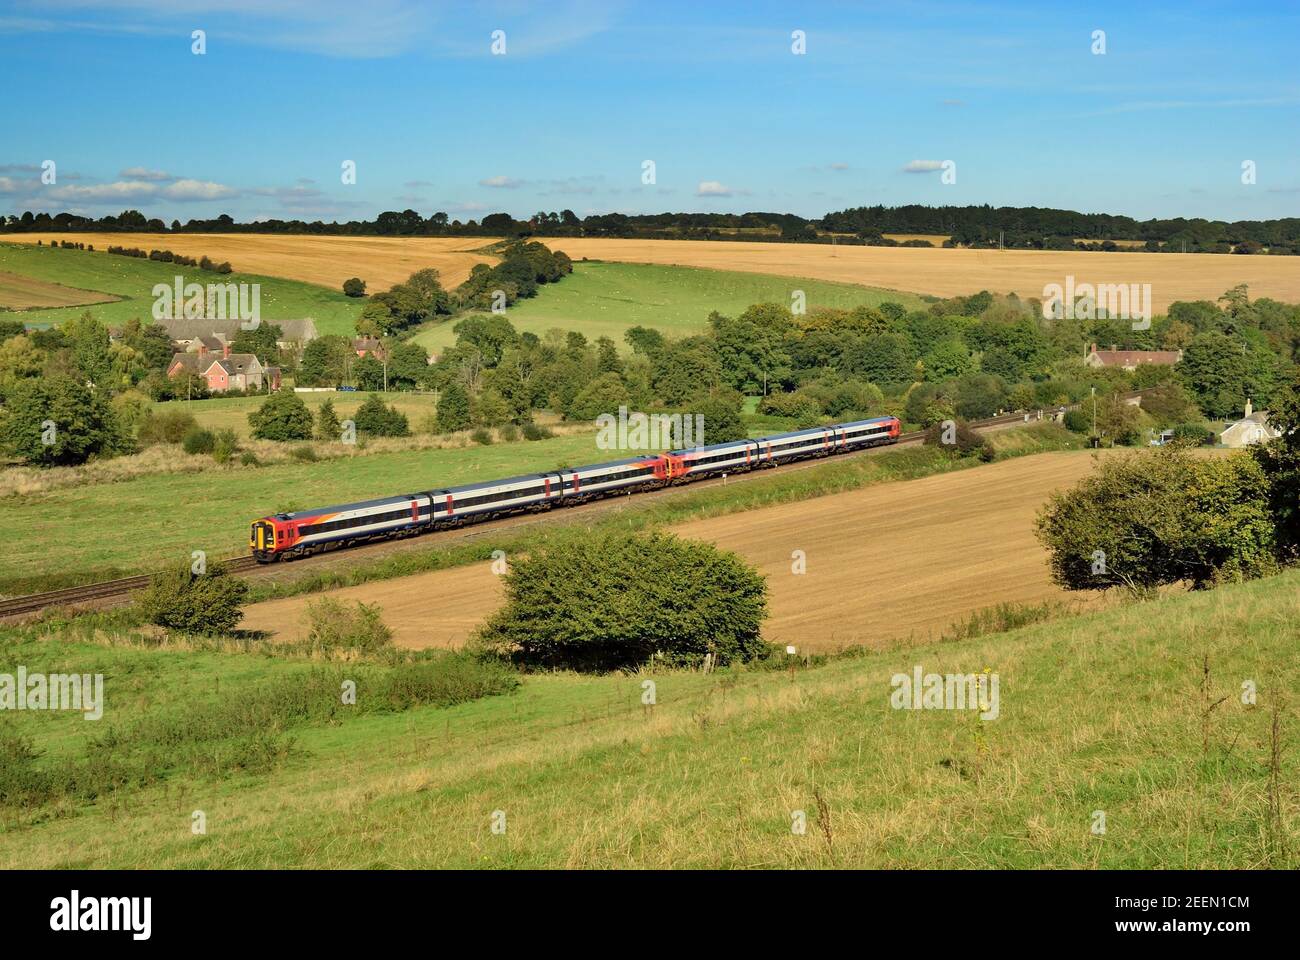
column 304, row 532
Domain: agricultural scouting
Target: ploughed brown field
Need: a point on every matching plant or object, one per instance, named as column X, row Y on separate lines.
column 20, row 293
column 327, row 261
column 898, row 561
column 949, row 272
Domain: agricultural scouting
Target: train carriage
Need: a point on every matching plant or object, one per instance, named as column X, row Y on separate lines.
column 308, row 531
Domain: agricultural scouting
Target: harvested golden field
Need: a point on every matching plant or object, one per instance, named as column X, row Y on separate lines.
column 948, row 272
column 21, row 293
column 892, row 562
column 327, row 261
column 938, row 239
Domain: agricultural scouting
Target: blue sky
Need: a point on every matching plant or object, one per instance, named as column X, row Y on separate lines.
column 587, row 90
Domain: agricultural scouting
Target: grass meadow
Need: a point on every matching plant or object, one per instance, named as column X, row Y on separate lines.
column 605, row 299
column 133, row 279
column 1102, row 714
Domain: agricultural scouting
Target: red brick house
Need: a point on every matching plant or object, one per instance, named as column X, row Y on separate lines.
column 229, row 371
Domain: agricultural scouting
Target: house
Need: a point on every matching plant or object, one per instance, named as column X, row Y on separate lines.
column 1131, row 359
column 226, row 371
column 371, row 346
column 1251, row 429
column 187, row 334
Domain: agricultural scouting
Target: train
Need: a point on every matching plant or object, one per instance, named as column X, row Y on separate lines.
column 286, row 536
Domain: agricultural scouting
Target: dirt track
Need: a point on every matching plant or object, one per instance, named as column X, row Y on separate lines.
column 895, row 561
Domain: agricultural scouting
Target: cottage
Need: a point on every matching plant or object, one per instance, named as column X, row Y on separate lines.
column 1251, row 429
column 370, row 345
column 1131, row 359
column 226, row 371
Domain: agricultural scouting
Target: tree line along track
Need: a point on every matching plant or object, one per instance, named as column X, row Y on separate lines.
column 122, row 588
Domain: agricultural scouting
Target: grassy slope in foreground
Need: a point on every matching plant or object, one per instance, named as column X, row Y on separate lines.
column 133, row 280
column 605, row 299
column 1099, row 712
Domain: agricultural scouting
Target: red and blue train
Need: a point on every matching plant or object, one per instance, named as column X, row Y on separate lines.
column 304, row 532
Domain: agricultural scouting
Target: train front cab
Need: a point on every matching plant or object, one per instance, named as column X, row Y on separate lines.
column 261, row 540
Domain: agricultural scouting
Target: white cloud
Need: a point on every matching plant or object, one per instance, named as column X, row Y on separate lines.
column 198, row 190
column 140, row 173
column 501, row 183
column 712, row 188
column 922, row 166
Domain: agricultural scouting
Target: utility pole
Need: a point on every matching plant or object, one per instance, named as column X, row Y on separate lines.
column 1094, row 415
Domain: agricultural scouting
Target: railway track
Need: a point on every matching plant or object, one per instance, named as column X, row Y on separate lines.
column 121, row 589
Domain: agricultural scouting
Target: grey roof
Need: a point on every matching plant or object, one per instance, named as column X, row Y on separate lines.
column 304, row 329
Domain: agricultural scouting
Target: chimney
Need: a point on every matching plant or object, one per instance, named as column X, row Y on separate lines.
column 1093, row 348
column 1114, row 347
column 1250, row 408
column 203, row 349
column 225, row 351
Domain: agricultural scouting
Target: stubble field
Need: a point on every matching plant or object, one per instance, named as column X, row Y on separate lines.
column 327, row 261
column 894, row 562
column 951, row 272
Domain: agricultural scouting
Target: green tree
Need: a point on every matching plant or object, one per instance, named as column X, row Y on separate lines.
column 207, row 603
column 377, row 419
column 58, row 421
column 605, row 394
column 612, row 601
column 1160, row 517
column 453, row 409
column 328, row 426
column 282, row 416
column 354, row 287
column 368, row 373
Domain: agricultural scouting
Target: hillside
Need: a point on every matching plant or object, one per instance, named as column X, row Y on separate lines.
column 1096, row 713
column 605, row 299
column 130, row 281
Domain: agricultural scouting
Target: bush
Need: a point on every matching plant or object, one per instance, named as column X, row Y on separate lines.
column 249, row 459
column 1193, row 434
column 482, row 436
column 334, row 625
column 1160, row 517
column 453, row 409
column 1078, row 421
column 612, row 601
column 354, row 287
column 377, row 419
column 283, row 416
column 198, row 440
column 509, row 433
column 533, row 431
column 957, row 438
column 225, row 445
column 180, row 599
column 170, row 426
column 304, row 454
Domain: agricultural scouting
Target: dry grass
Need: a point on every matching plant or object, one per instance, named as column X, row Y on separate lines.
column 949, row 272
column 327, row 261
column 23, row 293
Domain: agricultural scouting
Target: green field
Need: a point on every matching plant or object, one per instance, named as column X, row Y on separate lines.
column 605, row 299
column 231, row 413
column 133, row 280
column 98, row 531
column 1098, row 713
